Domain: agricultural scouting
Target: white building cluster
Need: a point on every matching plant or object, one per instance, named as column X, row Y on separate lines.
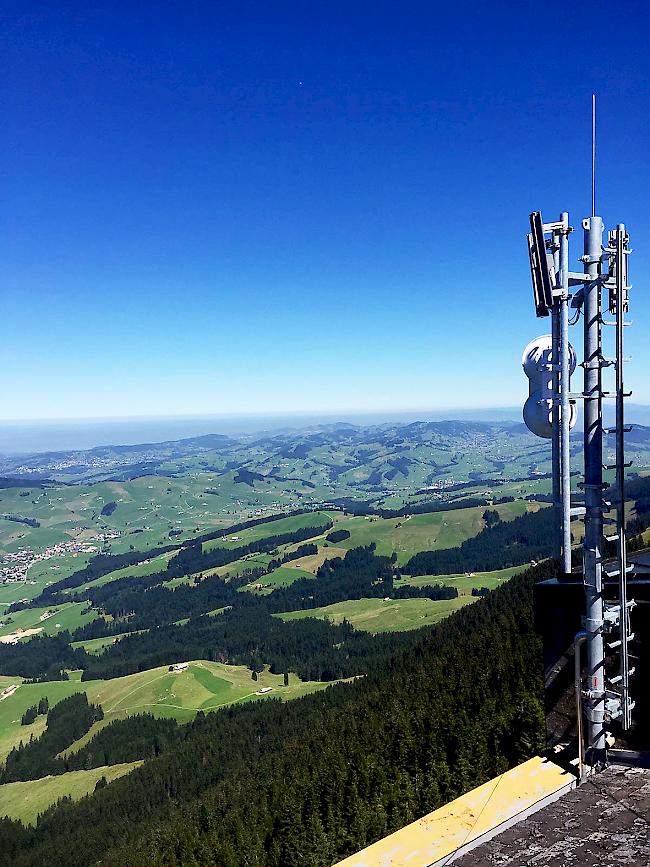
column 14, row 565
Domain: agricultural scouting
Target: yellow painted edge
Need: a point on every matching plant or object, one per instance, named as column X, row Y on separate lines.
column 469, row 817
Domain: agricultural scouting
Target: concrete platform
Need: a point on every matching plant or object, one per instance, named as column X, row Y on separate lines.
column 446, row 834
column 603, row 823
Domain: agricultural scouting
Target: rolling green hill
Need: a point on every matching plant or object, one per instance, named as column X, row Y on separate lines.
column 463, row 582
column 48, row 621
column 26, row 800
column 378, row 615
column 202, row 686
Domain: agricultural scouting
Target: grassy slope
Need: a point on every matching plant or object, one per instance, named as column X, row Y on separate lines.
column 25, row 801
column 148, row 507
column 464, row 582
column 375, row 615
column 428, row 532
column 204, row 686
column 405, row 536
column 273, row 528
column 283, row 576
column 40, row 575
column 252, row 561
column 145, row 567
column 313, row 562
column 135, row 507
column 98, row 645
column 68, row 616
column 27, row 695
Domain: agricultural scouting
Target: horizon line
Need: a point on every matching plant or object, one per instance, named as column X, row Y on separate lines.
column 257, row 415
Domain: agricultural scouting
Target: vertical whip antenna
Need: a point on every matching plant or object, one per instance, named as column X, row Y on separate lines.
column 593, row 154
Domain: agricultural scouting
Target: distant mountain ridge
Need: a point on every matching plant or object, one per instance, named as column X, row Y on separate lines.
column 323, row 461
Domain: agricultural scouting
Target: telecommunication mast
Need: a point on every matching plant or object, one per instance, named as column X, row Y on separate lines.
column 551, row 412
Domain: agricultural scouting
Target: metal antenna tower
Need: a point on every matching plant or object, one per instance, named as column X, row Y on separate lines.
column 617, row 282
column 550, row 412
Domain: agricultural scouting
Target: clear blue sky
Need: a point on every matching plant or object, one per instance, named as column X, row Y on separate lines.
column 293, row 206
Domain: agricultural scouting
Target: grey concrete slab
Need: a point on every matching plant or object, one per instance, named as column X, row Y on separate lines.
column 603, row 823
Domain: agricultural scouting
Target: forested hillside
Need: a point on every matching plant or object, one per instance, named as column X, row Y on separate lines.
column 309, row 782
column 497, row 546
column 175, row 656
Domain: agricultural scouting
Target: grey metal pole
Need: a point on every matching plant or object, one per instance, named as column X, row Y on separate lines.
column 555, row 429
column 621, row 290
column 593, row 443
column 578, row 640
column 565, row 412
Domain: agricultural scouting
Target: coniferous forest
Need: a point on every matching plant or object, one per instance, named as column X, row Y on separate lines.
column 425, row 715
column 310, row 781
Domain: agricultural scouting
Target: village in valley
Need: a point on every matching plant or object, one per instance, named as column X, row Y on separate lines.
column 15, row 565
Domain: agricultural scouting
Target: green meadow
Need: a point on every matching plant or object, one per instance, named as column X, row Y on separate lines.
column 376, row 615
column 283, row 576
column 139, row 570
column 68, row 616
column 27, row 695
column 463, row 582
column 404, row 536
column 202, row 686
column 272, row 528
column 98, row 645
column 25, row 801
column 427, row 532
column 149, row 511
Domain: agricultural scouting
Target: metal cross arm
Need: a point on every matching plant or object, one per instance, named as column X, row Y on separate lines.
column 576, row 277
